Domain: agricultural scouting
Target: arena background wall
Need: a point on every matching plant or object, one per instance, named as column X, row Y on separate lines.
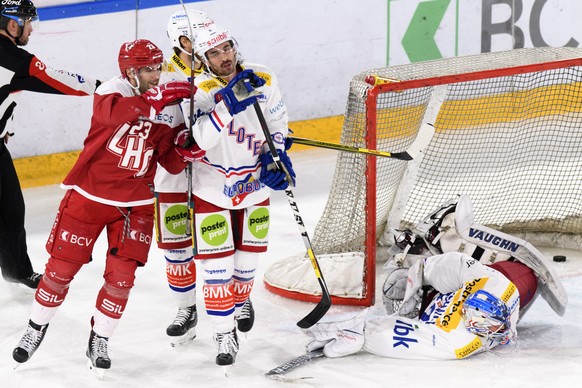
column 315, row 47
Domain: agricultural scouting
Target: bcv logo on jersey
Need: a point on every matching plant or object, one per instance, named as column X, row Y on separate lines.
column 136, row 235
column 72, row 238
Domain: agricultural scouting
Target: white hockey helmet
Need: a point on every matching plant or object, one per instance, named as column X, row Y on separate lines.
column 212, row 37
column 182, row 24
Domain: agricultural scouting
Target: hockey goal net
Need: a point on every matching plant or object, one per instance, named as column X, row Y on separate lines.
column 508, row 135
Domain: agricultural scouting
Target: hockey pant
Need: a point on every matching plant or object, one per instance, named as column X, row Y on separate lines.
column 78, row 223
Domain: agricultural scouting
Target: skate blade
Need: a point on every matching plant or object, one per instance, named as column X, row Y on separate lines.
column 184, row 339
column 284, row 379
column 98, row 372
column 227, row 369
column 243, row 335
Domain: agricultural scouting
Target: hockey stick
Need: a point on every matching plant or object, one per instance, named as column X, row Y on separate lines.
column 424, row 136
column 325, row 303
column 189, row 204
column 278, row 372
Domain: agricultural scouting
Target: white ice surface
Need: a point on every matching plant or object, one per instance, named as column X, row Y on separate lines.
column 549, row 352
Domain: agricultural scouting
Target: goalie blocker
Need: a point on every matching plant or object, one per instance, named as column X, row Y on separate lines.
column 451, row 228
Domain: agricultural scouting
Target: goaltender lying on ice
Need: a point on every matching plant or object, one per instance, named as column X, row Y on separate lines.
column 454, row 289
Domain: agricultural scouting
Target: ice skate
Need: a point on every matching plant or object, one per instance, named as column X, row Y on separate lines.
column 28, row 284
column 183, row 329
column 227, row 348
column 29, row 342
column 98, row 354
column 31, row 281
column 246, row 319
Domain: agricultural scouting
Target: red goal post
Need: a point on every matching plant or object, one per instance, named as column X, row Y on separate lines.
column 508, row 135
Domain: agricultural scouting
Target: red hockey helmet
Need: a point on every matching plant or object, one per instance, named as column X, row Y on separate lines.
column 139, row 53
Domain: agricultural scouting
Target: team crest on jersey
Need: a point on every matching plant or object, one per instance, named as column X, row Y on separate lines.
column 129, row 142
column 241, row 189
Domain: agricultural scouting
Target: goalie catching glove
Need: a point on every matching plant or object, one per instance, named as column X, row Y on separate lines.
column 167, row 94
column 236, row 95
column 187, row 148
column 274, row 177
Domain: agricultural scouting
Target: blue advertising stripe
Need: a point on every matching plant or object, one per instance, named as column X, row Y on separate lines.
column 102, row 7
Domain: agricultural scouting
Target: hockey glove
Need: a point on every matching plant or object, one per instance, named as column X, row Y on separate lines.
column 271, row 175
column 187, row 148
column 338, row 339
column 236, row 95
column 288, row 140
column 394, row 288
column 167, row 94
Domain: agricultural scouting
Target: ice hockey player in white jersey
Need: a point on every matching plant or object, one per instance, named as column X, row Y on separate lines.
column 172, row 190
column 475, row 309
column 432, row 274
column 232, row 184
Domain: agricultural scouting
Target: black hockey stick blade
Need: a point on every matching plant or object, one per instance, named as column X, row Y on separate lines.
column 325, row 303
column 278, row 372
column 418, row 146
column 317, row 313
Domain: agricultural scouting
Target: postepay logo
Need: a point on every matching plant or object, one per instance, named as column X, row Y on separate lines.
column 214, row 230
column 176, row 218
column 259, row 222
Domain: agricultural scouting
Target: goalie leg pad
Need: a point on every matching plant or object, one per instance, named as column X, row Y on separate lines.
column 522, row 276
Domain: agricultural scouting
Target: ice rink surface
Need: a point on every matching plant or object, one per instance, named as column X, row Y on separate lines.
column 549, row 352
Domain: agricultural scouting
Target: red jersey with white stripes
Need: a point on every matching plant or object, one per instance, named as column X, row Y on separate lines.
column 118, row 161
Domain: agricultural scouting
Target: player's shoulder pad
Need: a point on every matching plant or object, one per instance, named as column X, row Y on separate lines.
column 208, row 85
column 261, row 71
column 116, row 85
column 266, row 76
column 168, row 67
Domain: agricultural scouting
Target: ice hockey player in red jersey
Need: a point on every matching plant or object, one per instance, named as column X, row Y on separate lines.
column 134, row 126
column 21, row 70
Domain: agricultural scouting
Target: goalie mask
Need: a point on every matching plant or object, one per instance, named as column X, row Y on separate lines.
column 182, row 24
column 488, row 317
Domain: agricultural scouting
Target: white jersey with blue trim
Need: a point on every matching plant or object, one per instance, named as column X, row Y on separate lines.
column 441, row 333
column 229, row 174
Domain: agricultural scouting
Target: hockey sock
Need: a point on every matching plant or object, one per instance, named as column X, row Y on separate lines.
column 111, row 301
column 219, row 293
column 245, row 264
column 181, row 275
column 103, row 325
